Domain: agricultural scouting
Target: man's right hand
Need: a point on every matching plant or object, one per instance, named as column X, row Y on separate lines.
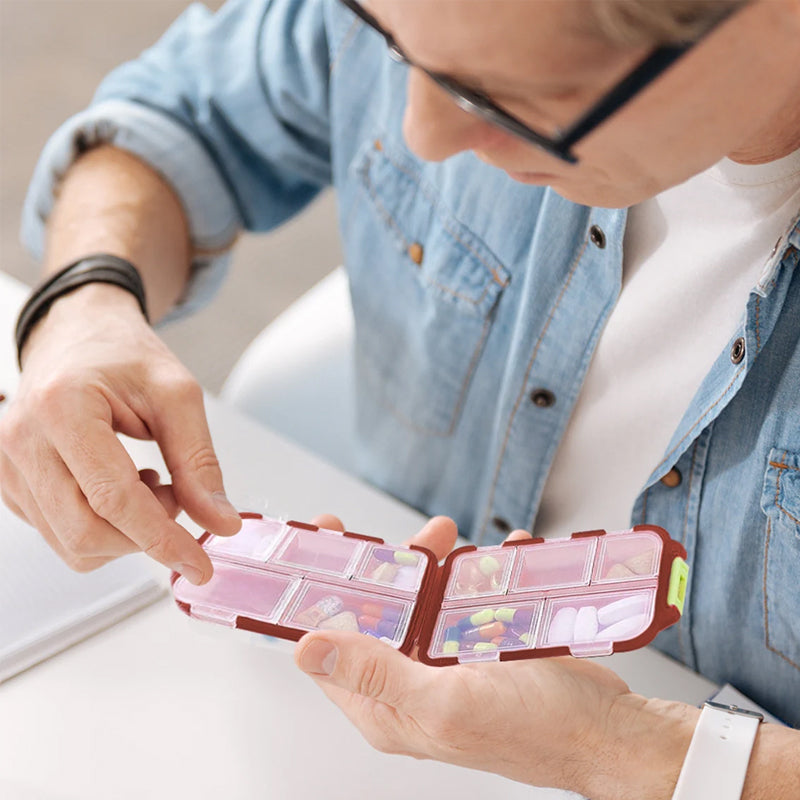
column 93, row 368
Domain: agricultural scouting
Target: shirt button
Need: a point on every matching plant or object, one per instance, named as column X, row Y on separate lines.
column 543, row 398
column 597, row 237
column 501, row 524
column 673, row 478
column 416, row 252
column 737, row 351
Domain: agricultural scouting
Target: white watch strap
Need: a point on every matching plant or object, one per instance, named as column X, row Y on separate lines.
column 716, row 762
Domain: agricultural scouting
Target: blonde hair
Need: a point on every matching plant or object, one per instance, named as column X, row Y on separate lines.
column 658, row 22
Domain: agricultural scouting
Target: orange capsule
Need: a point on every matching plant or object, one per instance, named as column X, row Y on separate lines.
column 492, row 630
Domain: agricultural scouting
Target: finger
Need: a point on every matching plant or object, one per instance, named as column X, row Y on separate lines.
column 163, row 492
column 47, row 488
column 110, row 482
column 437, row 535
column 185, row 442
column 364, row 666
column 328, row 521
column 518, row 535
column 24, row 506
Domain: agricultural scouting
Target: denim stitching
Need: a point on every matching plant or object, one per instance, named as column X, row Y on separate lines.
column 697, row 421
column 390, row 220
column 435, row 202
column 782, row 466
column 758, row 324
column 523, row 390
column 681, row 628
column 347, row 40
column 766, row 561
column 688, row 493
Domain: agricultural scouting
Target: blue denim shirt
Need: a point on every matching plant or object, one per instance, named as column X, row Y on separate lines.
column 470, row 292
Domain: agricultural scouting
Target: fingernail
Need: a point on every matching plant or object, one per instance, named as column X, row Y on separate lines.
column 224, row 505
column 319, row 658
column 192, row 574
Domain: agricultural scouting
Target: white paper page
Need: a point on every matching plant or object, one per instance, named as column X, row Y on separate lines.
column 46, row 607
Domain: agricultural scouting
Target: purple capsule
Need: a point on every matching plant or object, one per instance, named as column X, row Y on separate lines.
column 387, row 628
column 384, row 555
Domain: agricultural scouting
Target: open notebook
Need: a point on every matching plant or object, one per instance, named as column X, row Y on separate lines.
column 45, row 607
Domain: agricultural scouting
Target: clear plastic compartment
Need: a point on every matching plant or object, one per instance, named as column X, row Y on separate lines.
column 236, row 590
column 554, row 564
column 321, row 606
column 613, row 617
column 393, row 566
column 320, row 551
column 629, row 556
column 480, row 573
column 482, row 629
column 255, row 540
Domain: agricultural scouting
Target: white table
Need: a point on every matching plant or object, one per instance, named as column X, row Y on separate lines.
column 161, row 706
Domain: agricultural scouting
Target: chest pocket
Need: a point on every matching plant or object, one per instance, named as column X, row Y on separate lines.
column 781, row 503
column 424, row 289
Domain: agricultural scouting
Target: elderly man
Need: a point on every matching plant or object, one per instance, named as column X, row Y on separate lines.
column 571, row 237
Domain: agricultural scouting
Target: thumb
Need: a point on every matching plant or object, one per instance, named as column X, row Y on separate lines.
column 361, row 665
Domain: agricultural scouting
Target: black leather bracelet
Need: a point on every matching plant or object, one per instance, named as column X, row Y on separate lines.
column 97, row 268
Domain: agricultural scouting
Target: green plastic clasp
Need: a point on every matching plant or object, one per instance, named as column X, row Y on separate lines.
column 678, row 577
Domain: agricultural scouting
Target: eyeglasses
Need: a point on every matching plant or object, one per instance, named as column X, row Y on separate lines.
column 561, row 145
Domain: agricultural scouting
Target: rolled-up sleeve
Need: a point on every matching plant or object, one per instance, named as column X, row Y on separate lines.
column 230, row 108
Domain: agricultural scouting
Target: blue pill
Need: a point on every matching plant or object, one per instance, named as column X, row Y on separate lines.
column 453, row 634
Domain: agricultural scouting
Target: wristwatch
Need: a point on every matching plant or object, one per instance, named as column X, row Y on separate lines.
column 716, row 762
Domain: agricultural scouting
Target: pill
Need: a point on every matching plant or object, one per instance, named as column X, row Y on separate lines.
column 478, row 618
column 346, row 621
column 622, row 609
column 483, row 646
column 525, row 638
column 620, row 571
column 406, row 578
column 384, row 572
column 562, row 627
column 383, row 554
column 471, row 635
column 450, row 647
column 586, row 624
column 470, row 578
column 325, row 607
column 406, row 558
column 488, row 565
column 387, row 628
column 504, row 642
column 492, row 629
column 366, row 621
column 624, row 629
column 641, row 564
column 453, row 634
column 390, row 612
column 520, row 618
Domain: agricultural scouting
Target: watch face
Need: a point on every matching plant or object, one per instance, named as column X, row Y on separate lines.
column 744, row 712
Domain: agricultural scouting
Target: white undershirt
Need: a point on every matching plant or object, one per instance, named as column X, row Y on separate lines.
column 691, row 257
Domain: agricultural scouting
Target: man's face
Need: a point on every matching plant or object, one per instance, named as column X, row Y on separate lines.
column 541, row 61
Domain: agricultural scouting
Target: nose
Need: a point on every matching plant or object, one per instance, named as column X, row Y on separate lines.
column 435, row 128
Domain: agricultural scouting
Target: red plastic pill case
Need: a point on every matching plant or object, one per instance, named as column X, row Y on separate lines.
column 591, row 594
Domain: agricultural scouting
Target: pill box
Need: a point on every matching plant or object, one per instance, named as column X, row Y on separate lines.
column 591, row 594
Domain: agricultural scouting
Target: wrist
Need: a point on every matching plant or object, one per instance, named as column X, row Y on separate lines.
column 641, row 749
column 93, row 302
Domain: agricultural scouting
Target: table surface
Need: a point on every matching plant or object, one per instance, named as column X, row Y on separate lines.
column 162, row 706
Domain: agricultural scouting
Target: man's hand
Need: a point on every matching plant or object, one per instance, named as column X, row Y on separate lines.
column 557, row 722
column 93, row 367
